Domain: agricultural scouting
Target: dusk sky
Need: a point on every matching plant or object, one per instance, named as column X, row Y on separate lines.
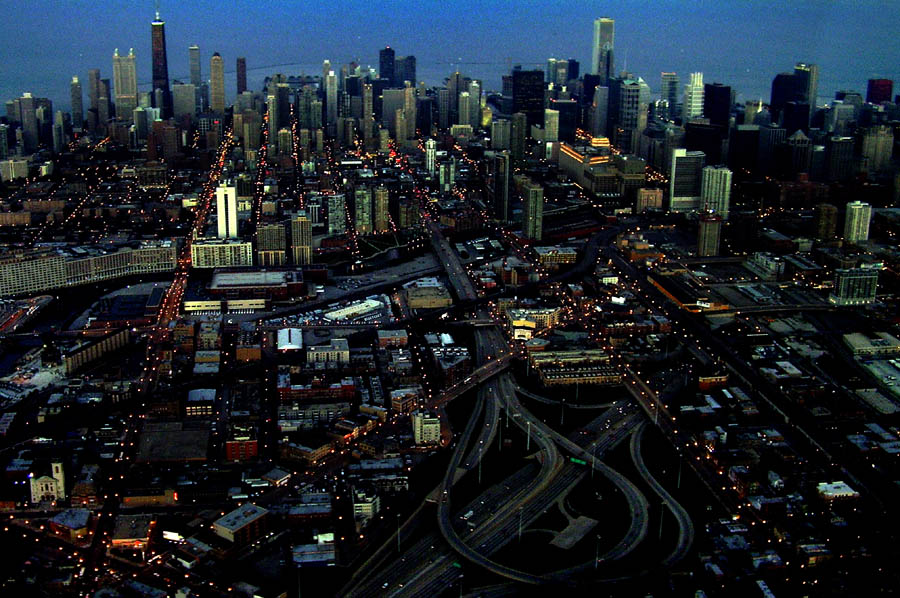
column 742, row 44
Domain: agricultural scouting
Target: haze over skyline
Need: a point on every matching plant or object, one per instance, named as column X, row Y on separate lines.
column 740, row 44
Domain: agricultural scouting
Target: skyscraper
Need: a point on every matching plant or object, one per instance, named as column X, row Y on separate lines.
column 634, row 100
column 94, row 88
column 825, row 221
column 77, row 104
column 498, row 186
column 709, row 235
column 125, row 80
column 602, row 49
column 381, row 215
column 161, row 65
column 551, row 125
column 518, row 130
column 692, row 106
column 271, row 244
column 405, row 70
column 807, row 83
column 217, row 84
column 879, row 90
column 241, row 75
column 430, row 153
column 337, row 214
column 533, row 204
column 528, row 95
column 685, row 178
column 717, row 103
column 668, row 91
column 464, row 109
column 856, row 222
column 600, row 111
column 226, row 210
column 715, row 190
column 500, row 133
column 386, row 65
column 331, row 105
column 301, row 239
column 876, row 145
column 194, row 59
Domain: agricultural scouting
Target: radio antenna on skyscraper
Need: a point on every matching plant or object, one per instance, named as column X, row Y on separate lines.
column 157, row 9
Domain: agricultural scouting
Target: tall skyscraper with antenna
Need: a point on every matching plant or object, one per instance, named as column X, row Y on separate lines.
column 160, row 64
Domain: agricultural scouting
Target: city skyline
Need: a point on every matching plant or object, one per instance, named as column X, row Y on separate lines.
column 850, row 43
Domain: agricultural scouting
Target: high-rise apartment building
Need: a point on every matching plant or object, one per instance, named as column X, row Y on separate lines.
column 217, row 84
column 362, row 210
column 380, row 206
column 301, row 238
column 533, row 203
column 161, row 66
column 226, row 210
column 856, row 222
column 271, row 247
column 876, row 145
column 500, row 133
column 634, row 100
column 709, row 235
column 125, row 81
column 602, row 49
column 825, row 221
column 337, row 215
column 715, row 190
column 430, row 155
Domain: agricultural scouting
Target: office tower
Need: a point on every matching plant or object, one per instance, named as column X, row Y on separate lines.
column 685, row 178
column 125, row 79
column 856, row 222
column 405, row 70
column 533, row 207
column 839, row 158
column 600, row 111
column 855, row 286
column 464, row 109
column 717, row 103
column 194, row 59
column 551, row 125
column 141, row 122
column 430, row 154
column 77, row 104
column 103, row 106
column 807, row 84
column 879, row 90
column 331, row 105
column 271, row 245
column 648, row 199
column 217, row 84
column 551, row 71
column 391, row 101
column 28, row 118
column 272, row 122
column 668, row 91
column 386, row 65
column 368, row 114
column 784, row 90
column 751, row 110
column 443, row 104
column 285, row 142
column 381, row 216
column 825, row 221
column 476, row 104
column 58, row 133
column 839, row 117
column 301, row 238
column 337, row 215
column 500, row 133
column 876, row 144
column 795, row 117
column 400, row 125
column 498, row 185
column 568, row 118
column 602, row 49
column 226, row 210
column 94, row 88
column 184, row 99
column 409, row 111
column 715, row 190
column 518, row 130
column 241, row 75
column 709, row 235
column 528, row 95
column 634, row 100
column 161, row 65
column 692, row 106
